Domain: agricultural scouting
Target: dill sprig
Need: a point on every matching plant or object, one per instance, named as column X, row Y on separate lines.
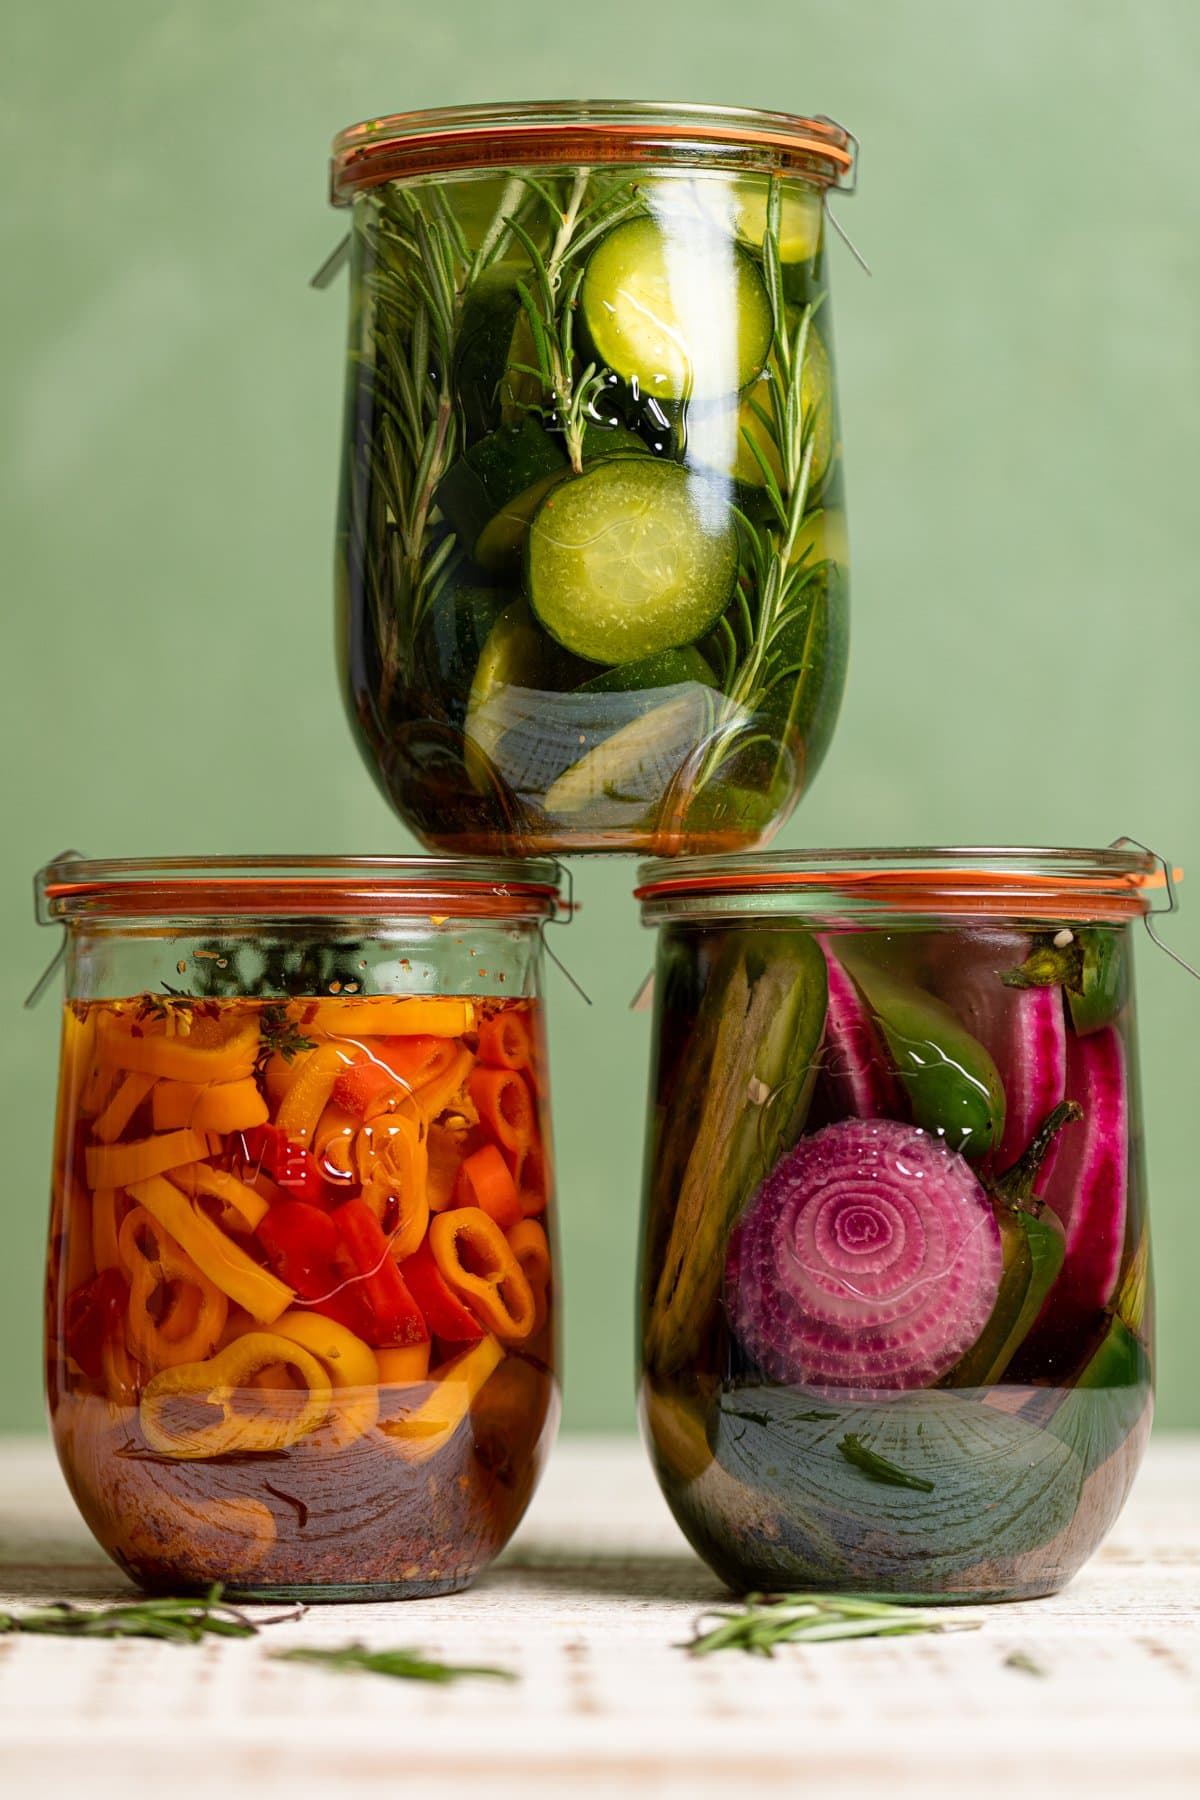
column 170, row 1621
column 400, row 1665
column 767, row 1621
column 279, row 1035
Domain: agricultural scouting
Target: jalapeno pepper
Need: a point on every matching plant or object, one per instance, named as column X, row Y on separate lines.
column 92, row 1315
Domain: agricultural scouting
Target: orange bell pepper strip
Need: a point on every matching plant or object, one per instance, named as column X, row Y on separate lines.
column 352, row 1369
column 442, row 1088
column 225, row 1263
column 445, row 1151
column 121, row 1165
column 362, row 1086
column 485, row 1180
column 252, row 1418
column 243, row 1206
column 396, row 1182
column 108, row 1209
column 505, row 1041
column 121, row 1108
column 400, row 1368
column 506, row 1111
column 531, row 1247
column 177, row 1058
column 416, row 1060
column 224, row 1106
column 384, row 1016
column 71, row 1230
column 420, row 1432
column 301, row 1107
column 474, row 1260
column 188, row 1313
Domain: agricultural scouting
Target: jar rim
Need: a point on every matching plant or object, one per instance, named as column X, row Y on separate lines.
column 72, row 888
column 497, row 135
column 962, row 879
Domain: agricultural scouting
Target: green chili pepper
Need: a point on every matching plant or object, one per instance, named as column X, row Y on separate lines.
column 953, row 1086
column 1087, row 966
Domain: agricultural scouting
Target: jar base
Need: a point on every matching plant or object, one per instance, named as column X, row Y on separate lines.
column 345, row 1593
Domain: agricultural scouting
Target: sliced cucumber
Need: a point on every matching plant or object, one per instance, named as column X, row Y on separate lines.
column 678, row 313
column 448, row 646
column 631, row 557
column 493, row 339
column 628, row 773
column 611, row 439
column 669, row 668
column 517, row 663
column 489, row 495
column 718, row 440
column 738, row 206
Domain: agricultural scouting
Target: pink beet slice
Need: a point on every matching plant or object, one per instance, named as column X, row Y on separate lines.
column 856, row 1067
column 1024, row 1030
column 1089, row 1187
column 870, row 1259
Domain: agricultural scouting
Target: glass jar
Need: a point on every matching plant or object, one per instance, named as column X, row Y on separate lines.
column 895, row 1294
column 591, row 565
column 300, row 1307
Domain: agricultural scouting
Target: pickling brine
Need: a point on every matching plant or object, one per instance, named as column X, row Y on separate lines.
column 895, row 1296
column 301, row 1298
column 592, row 551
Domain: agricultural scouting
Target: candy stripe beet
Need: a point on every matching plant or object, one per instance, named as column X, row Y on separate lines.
column 855, row 1064
column 870, row 1259
column 1024, row 1030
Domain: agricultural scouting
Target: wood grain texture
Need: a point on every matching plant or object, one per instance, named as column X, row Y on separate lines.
column 590, row 1606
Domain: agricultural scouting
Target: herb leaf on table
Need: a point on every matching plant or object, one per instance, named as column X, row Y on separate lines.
column 401, row 1665
column 766, row 1621
column 170, row 1621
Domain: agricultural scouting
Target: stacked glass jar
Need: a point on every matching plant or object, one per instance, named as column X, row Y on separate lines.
column 592, row 586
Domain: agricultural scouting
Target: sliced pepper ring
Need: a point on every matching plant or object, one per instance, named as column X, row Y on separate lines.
column 176, row 1314
column 224, row 1380
column 475, row 1261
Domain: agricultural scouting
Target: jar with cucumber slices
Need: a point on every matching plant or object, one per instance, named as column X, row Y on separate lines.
column 591, row 565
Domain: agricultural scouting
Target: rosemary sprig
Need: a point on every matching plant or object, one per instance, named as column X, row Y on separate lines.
column 550, row 298
column 170, row 1621
column 401, row 1665
column 279, row 1035
column 878, row 1468
column 767, row 1621
column 165, row 1006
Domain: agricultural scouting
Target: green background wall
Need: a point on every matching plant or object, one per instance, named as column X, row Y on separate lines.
column 1021, row 409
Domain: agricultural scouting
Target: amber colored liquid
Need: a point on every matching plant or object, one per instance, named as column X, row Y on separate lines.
column 272, row 1411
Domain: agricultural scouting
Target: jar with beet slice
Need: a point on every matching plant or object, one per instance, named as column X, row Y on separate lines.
column 896, row 1322
column 300, row 1307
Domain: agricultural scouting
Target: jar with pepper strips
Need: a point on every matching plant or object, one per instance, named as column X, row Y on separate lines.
column 301, row 1332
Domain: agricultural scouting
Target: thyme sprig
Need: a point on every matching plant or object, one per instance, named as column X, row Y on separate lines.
column 170, row 1621
column 766, row 1621
column 400, row 1665
column 279, row 1035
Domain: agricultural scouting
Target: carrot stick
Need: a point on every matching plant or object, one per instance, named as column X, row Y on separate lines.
column 485, row 1180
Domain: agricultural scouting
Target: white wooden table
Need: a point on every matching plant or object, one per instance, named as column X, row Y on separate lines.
column 589, row 1607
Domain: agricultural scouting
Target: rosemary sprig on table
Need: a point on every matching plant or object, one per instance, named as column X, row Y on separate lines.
column 170, row 1621
column 400, row 1665
column 767, row 1621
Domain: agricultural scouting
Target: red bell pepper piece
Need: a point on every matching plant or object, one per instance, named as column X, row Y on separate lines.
column 397, row 1317
column 303, row 1248
column 445, row 1314
column 289, row 1164
column 92, row 1313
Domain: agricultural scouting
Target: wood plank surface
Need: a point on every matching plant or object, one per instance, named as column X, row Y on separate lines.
column 590, row 1607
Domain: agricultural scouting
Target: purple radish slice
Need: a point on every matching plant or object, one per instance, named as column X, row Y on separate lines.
column 1089, row 1187
column 870, row 1259
column 1024, row 1031
column 861, row 1083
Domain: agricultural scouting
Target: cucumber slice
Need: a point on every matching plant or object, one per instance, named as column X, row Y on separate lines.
column 611, row 440
column 717, row 440
column 669, row 668
column 631, row 557
column 516, row 666
column 489, row 495
column 739, row 207
column 492, row 338
column 448, row 645
column 629, row 772
column 679, row 312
